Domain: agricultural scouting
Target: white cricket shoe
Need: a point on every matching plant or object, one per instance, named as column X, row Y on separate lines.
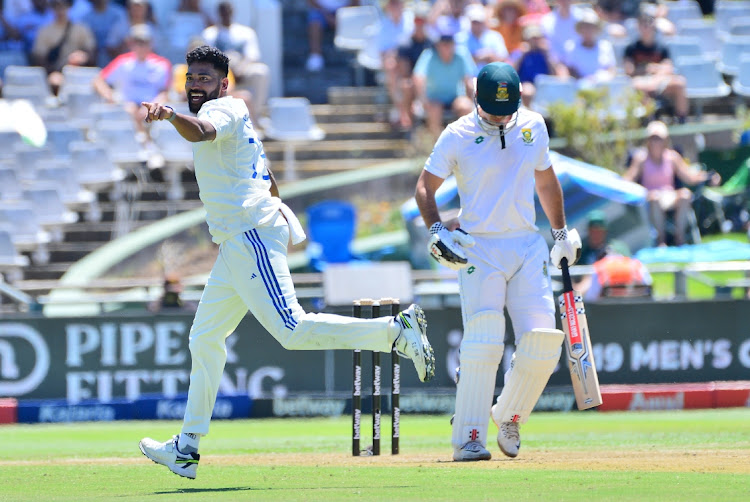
column 167, row 454
column 508, row 437
column 412, row 341
column 471, row 452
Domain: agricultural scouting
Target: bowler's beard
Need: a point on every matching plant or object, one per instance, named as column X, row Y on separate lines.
column 195, row 106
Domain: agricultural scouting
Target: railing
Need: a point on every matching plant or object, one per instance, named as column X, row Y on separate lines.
column 428, row 284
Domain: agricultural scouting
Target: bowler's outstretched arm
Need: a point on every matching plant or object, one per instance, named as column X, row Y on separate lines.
column 192, row 129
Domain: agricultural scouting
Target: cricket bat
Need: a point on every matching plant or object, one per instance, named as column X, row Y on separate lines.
column 578, row 344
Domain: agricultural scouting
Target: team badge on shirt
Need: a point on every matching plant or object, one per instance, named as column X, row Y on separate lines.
column 502, row 92
column 526, row 136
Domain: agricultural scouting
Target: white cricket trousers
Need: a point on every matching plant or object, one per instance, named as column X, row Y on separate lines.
column 251, row 273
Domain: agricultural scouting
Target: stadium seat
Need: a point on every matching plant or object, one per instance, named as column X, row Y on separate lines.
column 32, row 76
column 731, row 52
column 10, row 186
column 177, row 153
column 12, row 58
column 684, row 48
column 685, row 9
column 291, row 120
column 28, row 159
column 331, row 226
column 11, row 262
column 93, row 165
column 9, row 140
column 59, row 136
column 704, row 32
column 725, row 12
column 120, row 140
column 26, row 232
column 37, row 96
column 79, row 76
column 74, row 196
column 704, row 82
column 355, row 26
column 551, row 89
column 619, row 90
column 50, row 209
column 741, row 83
column 740, row 26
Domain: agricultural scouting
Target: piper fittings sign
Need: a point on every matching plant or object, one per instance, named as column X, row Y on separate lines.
column 108, row 358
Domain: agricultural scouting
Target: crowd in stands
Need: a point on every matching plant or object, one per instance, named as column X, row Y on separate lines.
column 430, row 53
column 590, row 42
column 98, row 33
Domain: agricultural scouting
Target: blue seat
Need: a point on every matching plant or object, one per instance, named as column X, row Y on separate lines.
column 331, row 226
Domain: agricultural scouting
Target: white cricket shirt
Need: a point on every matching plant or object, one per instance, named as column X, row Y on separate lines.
column 496, row 185
column 231, row 171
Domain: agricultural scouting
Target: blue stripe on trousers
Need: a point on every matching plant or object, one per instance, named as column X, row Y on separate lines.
column 265, row 270
column 273, row 276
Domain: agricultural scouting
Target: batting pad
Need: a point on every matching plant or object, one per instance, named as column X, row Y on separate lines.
column 481, row 353
column 533, row 362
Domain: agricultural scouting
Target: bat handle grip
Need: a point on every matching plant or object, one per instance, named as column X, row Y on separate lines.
column 567, row 283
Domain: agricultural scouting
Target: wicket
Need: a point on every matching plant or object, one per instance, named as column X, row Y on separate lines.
column 389, row 306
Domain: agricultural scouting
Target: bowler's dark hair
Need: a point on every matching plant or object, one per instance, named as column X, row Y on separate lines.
column 211, row 55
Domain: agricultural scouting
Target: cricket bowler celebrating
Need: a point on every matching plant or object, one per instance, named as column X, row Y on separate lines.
column 252, row 227
column 498, row 154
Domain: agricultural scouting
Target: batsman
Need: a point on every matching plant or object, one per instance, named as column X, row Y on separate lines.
column 499, row 154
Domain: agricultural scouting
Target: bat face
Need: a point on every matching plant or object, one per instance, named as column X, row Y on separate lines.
column 580, row 356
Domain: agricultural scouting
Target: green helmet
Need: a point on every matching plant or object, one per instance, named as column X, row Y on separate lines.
column 499, row 89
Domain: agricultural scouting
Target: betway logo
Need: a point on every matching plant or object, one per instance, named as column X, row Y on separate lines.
column 675, row 401
column 571, row 318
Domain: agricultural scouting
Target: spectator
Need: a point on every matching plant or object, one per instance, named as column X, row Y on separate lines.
column 184, row 25
column 508, row 14
column 648, row 62
column 10, row 37
column 590, row 57
column 535, row 11
column 29, row 22
column 618, row 276
column 321, row 15
column 535, row 59
column 485, row 45
column 135, row 77
column 597, row 243
column 141, row 12
column 559, row 26
column 443, row 80
column 240, row 43
column 62, row 42
column 448, row 15
column 396, row 30
column 658, row 168
column 407, row 55
column 109, row 24
column 171, row 298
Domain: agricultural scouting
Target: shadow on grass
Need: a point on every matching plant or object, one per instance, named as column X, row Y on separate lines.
column 250, row 488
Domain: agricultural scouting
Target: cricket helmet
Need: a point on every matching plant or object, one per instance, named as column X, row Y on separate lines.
column 499, row 89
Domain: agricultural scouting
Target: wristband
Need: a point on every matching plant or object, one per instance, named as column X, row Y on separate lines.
column 174, row 114
column 560, row 234
column 436, row 227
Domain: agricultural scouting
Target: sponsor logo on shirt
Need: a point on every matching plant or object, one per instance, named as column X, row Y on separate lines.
column 479, row 140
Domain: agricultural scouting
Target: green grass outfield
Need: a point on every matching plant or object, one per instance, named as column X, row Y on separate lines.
column 679, row 455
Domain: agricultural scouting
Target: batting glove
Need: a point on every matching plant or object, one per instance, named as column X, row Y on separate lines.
column 567, row 245
column 447, row 248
